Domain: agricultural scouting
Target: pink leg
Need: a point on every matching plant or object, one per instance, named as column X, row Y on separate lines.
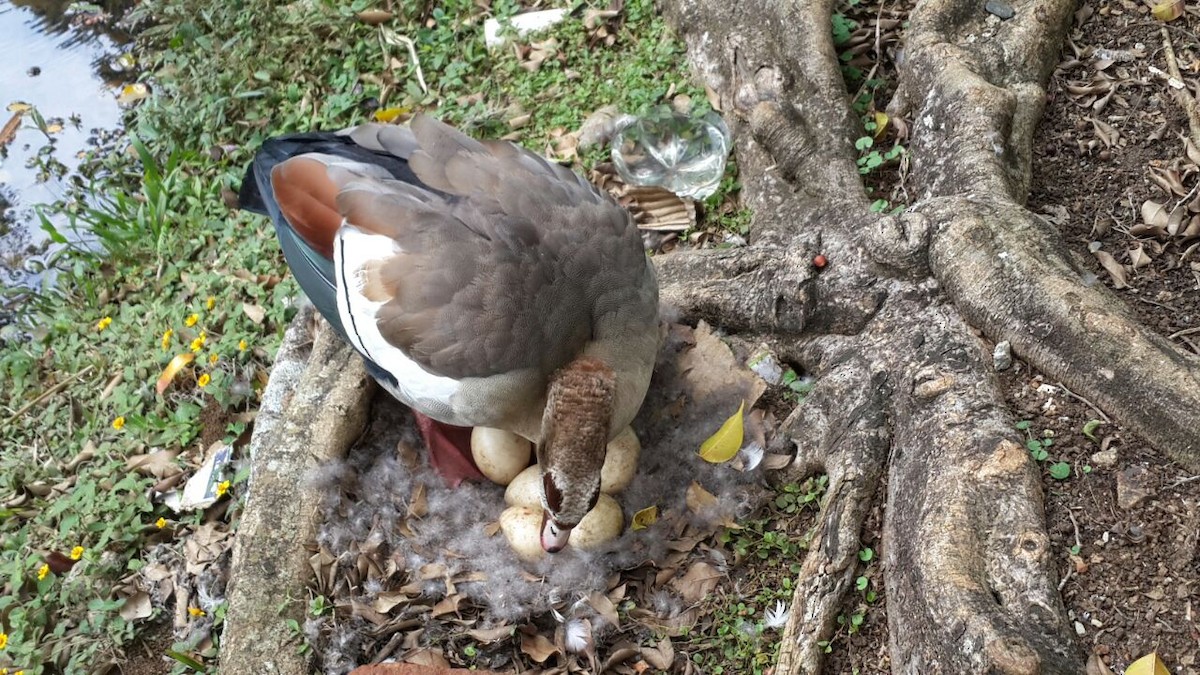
column 449, row 450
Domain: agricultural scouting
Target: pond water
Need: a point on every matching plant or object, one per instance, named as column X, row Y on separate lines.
column 57, row 58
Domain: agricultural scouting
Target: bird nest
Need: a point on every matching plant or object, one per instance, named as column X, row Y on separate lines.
column 418, row 572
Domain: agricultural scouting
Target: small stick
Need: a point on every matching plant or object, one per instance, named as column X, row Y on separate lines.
column 1183, row 481
column 1182, row 96
column 47, row 394
column 1185, row 331
column 1078, row 543
column 1083, row 400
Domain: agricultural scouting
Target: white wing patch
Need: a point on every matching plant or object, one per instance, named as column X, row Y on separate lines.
column 353, row 248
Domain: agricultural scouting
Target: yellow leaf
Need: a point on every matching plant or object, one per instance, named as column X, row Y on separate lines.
column 177, row 364
column 1148, row 665
column 1168, row 11
column 19, row 107
column 881, row 123
column 389, row 115
column 723, row 445
column 645, row 518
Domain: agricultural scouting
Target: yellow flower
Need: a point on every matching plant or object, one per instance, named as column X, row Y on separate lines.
column 166, row 340
column 241, row 345
column 77, row 553
column 119, row 423
column 222, row 488
column 43, row 571
column 204, row 380
column 104, row 323
column 214, row 358
column 195, row 611
column 3, row 640
column 19, row 672
column 160, row 523
column 191, row 320
column 210, row 302
column 198, row 343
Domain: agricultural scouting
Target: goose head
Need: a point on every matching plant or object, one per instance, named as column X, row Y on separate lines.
column 575, row 432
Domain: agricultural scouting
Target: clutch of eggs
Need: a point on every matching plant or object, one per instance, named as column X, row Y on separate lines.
column 504, row 458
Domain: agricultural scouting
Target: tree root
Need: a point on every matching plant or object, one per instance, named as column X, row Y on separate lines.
column 965, row 545
column 970, row 584
column 843, row 432
column 270, row 559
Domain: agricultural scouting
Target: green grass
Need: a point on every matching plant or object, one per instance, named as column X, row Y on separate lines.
column 161, row 251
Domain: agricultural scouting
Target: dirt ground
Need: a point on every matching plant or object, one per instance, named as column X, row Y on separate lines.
column 1125, row 523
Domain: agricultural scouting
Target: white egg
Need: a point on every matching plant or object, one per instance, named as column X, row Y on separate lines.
column 620, row 462
column 526, row 488
column 601, row 525
column 522, row 527
column 500, row 455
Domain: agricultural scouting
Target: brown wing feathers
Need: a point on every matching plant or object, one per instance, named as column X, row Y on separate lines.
column 308, row 200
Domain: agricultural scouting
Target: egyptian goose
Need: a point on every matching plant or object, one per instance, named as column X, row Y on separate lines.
column 482, row 284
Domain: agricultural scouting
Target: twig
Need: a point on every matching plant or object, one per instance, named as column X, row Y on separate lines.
column 1070, row 515
column 47, row 394
column 395, row 39
column 1083, row 400
column 1182, row 96
column 1185, row 331
column 1182, row 481
column 1066, row 578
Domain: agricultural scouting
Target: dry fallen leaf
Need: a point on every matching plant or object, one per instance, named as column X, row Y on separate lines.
column 137, row 606
column 159, row 463
column 172, row 369
column 537, row 647
column 698, row 499
column 1095, row 666
column 645, row 518
column 374, row 17
column 700, row 580
column 254, row 312
column 1114, row 269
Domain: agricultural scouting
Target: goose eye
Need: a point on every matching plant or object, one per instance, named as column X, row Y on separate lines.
column 553, row 494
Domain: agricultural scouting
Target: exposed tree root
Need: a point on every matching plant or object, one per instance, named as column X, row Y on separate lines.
column 887, row 326
column 314, row 407
column 844, row 433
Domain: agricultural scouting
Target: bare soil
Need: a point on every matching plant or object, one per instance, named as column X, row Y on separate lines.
column 1125, row 523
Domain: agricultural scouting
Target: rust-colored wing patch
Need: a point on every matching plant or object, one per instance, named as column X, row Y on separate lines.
column 308, row 200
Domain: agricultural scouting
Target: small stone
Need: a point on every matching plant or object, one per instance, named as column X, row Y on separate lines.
column 1000, row 9
column 1105, row 459
column 1002, row 356
column 1079, row 629
column 1133, row 487
column 766, row 366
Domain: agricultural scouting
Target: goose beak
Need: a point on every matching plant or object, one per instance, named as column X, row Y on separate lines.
column 554, row 536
